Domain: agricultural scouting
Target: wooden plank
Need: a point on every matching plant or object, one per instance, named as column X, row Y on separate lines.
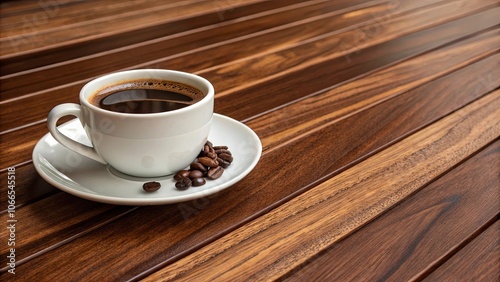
column 423, row 230
column 338, row 102
column 340, row 71
column 65, row 49
column 49, row 16
column 10, row 7
column 27, row 40
column 341, row 47
column 20, row 84
column 477, row 261
column 210, row 37
column 290, row 235
column 204, row 220
column 71, row 217
column 26, row 180
column 314, row 77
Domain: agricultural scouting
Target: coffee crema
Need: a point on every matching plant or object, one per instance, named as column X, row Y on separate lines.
column 146, row 96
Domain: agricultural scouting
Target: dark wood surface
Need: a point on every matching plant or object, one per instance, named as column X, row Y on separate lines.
column 379, row 122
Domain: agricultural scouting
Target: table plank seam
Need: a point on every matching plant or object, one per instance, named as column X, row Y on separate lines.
column 453, row 251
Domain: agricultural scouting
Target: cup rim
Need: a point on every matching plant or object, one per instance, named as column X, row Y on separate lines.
column 208, row 96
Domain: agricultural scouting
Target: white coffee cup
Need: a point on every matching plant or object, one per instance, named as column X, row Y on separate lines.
column 141, row 145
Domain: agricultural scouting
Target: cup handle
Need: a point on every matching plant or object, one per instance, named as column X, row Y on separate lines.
column 74, row 110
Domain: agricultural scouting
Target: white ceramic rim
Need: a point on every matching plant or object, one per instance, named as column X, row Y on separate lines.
column 209, row 95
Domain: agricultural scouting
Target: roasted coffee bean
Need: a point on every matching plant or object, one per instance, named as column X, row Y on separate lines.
column 151, row 186
column 227, row 157
column 223, row 163
column 196, row 174
column 181, row 174
column 199, row 181
column 223, row 151
column 211, row 150
column 215, row 172
column 205, row 150
column 208, row 162
column 183, row 184
column 198, row 166
column 211, row 155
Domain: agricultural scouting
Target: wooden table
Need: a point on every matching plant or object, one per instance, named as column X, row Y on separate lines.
column 379, row 122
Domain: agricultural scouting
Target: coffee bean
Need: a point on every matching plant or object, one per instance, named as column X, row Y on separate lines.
column 223, row 151
column 196, row 174
column 199, row 181
column 183, row 184
column 208, row 162
column 211, row 155
column 227, row 157
column 215, row 172
column 198, row 166
column 223, row 163
column 151, row 186
column 211, row 150
column 181, row 174
column 205, row 150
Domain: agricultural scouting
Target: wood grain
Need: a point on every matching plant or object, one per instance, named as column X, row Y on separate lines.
column 484, row 73
column 270, row 126
column 347, row 99
column 339, row 70
column 477, row 261
column 422, row 114
column 69, row 92
column 339, row 48
column 379, row 121
column 65, row 49
column 67, row 29
column 59, row 224
column 51, row 16
column 252, row 195
column 263, row 249
column 408, row 239
column 466, row 81
column 334, row 71
column 159, row 50
column 13, row 7
column 26, row 177
column 310, row 20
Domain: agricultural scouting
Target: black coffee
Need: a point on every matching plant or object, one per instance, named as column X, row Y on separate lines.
column 146, row 96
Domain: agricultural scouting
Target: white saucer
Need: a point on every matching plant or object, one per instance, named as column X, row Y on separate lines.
column 91, row 180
